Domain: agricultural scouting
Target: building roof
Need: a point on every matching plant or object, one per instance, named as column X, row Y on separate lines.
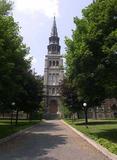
column 54, row 28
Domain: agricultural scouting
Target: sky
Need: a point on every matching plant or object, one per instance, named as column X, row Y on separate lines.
column 35, row 17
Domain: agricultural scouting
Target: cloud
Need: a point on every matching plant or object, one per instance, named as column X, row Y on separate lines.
column 46, row 7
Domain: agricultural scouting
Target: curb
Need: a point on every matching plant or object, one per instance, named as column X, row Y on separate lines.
column 100, row 148
column 3, row 140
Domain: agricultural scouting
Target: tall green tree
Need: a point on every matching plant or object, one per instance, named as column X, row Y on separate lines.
column 33, row 95
column 91, row 54
column 69, row 96
column 12, row 55
column 16, row 78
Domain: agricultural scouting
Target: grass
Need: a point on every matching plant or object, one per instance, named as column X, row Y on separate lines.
column 102, row 131
column 6, row 129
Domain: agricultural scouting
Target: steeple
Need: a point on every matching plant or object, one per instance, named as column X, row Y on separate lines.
column 54, row 29
column 54, row 47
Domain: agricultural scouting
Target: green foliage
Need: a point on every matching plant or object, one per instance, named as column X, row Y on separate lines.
column 66, row 112
column 17, row 81
column 5, row 7
column 91, row 53
column 32, row 94
column 112, row 148
column 69, row 97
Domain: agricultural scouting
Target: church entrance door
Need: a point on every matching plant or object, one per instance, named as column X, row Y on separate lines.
column 53, row 107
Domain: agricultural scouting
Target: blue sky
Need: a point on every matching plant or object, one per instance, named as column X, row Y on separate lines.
column 35, row 17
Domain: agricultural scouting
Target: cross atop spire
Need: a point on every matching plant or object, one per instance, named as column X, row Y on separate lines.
column 54, row 28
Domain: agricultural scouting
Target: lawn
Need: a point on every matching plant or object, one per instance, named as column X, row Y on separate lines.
column 102, row 131
column 6, row 129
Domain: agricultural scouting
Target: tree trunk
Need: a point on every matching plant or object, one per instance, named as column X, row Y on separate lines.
column 27, row 116
column 11, row 117
column 95, row 112
column 77, row 115
column 17, row 115
column 30, row 116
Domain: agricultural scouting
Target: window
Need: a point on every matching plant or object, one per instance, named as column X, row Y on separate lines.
column 57, row 90
column 50, row 77
column 50, row 63
column 49, row 90
column 53, row 90
column 53, row 63
column 54, row 78
column 57, row 63
column 57, row 77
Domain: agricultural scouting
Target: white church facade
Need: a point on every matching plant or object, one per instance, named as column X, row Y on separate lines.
column 53, row 74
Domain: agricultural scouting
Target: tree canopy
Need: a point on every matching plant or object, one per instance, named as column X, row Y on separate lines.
column 91, row 53
column 17, row 82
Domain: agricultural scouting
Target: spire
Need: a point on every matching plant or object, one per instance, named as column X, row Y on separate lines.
column 54, row 28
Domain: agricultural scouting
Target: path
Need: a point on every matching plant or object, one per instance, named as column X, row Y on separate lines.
column 50, row 141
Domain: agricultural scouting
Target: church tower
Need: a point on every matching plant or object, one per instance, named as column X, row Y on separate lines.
column 53, row 74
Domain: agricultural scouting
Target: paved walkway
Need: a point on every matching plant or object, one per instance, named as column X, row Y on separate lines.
column 50, row 141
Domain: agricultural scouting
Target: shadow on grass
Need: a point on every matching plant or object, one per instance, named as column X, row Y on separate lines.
column 102, row 132
column 110, row 135
column 7, row 129
column 98, row 123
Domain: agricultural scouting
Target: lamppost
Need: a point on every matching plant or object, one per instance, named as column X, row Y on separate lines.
column 85, row 111
column 12, row 104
